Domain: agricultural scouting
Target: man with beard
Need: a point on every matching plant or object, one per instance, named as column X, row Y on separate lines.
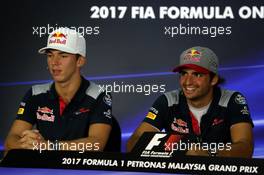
column 201, row 110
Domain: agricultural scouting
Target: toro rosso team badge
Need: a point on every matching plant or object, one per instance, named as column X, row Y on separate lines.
column 107, row 99
column 240, row 99
column 58, row 38
column 180, row 126
column 45, row 114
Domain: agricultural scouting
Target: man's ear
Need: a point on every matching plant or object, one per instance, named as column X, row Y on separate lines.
column 81, row 61
column 215, row 80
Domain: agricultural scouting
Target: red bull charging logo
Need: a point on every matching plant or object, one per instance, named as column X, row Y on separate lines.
column 180, row 126
column 58, row 38
column 193, row 55
column 45, row 114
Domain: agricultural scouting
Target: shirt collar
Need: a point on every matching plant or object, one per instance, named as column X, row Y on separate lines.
column 79, row 94
column 212, row 107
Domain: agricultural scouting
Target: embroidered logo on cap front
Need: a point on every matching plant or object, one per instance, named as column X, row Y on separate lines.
column 45, row 114
column 193, row 55
column 58, row 38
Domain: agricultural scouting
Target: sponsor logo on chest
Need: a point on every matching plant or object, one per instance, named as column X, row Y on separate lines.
column 45, row 114
column 217, row 121
column 180, row 126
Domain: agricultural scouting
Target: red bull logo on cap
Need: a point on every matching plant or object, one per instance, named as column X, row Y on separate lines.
column 58, row 38
column 45, row 114
column 193, row 55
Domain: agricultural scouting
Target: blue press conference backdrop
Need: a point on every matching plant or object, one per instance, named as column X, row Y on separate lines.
column 128, row 51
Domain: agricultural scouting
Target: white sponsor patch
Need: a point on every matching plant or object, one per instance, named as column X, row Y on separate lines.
column 240, row 99
column 23, row 104
column 108, row 113
column 245, row 111
column 154, row 110
column 107, row 99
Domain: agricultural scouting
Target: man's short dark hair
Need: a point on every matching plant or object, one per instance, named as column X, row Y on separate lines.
column 221, row 80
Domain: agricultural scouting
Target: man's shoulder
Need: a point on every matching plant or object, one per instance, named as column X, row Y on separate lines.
column 40, row 88
column 94, row 90
column 229, row 95
column 172, row 97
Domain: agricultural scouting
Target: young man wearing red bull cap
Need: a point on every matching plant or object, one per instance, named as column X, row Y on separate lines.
column 201, row 109
column 71, row 110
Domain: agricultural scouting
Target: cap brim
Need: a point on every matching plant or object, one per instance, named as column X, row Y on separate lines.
column 191, row 66
column 63, row 49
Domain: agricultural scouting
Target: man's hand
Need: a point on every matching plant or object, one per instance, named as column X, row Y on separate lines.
column 194, row 152
column 30, row 138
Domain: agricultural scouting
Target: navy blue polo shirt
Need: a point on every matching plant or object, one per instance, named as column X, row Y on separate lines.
column 41, row 106
column 171, row 112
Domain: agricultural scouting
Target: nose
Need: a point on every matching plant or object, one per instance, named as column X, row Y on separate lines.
column 188, row 80
column 55, row 60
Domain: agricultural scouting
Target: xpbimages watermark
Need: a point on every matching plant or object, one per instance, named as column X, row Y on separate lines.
column 182, row 146
column 41, row 31
column 71, row 146
column 121, row 87
column 160, row 146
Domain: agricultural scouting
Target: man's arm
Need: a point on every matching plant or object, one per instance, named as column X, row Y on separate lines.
column 98, row 135
column 21, row 136
column 143, row 127
column 242, row 143
column 153, row 122
column 31, row 139
column 13, row 139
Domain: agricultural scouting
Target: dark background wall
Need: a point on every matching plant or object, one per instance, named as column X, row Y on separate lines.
column 132, row 51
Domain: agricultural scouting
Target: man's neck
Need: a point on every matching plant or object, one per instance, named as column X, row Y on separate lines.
column 67, row 90
column 202, row 101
